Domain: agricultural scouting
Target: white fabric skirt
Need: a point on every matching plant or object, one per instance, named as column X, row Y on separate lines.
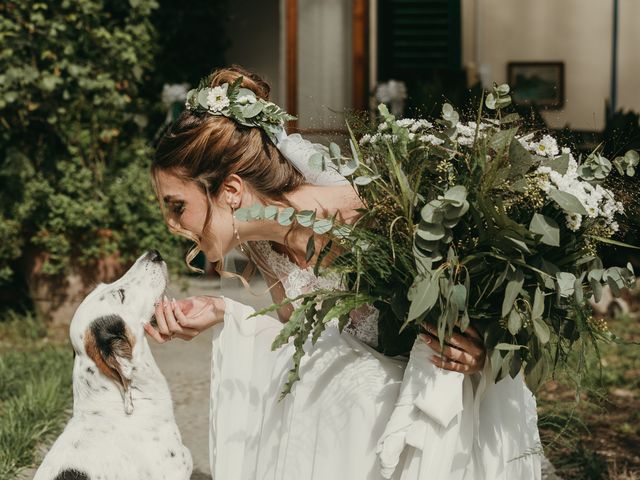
column 351, row 409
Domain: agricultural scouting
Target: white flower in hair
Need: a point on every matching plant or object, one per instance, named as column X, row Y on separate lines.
column 217, row 99
column 244, row 99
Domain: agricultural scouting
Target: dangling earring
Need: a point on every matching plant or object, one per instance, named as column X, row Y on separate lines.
column 235, row 229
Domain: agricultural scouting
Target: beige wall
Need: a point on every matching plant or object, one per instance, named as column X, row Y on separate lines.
column 255, row 33
column 324, row 62
column 577, row 32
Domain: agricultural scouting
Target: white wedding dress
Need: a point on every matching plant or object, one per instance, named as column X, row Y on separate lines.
column 355, row 413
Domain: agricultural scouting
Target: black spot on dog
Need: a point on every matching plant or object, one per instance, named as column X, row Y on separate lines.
column 91, row 370
column 172, row 453
column 72, row 474
column 107, row 330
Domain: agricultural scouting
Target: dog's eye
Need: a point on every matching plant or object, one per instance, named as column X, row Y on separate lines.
column 121, row 293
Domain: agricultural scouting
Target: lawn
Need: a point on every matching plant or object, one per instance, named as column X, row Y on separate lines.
column 35, row 398
column 597, row 437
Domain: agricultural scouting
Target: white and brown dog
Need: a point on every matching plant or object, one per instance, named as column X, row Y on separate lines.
column 123, row 425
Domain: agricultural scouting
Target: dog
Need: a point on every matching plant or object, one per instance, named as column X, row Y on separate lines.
column 123, row 425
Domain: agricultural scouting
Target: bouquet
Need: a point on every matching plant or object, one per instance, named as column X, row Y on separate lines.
column 477, row 223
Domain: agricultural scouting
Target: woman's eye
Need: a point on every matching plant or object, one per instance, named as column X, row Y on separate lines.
column 177, row 208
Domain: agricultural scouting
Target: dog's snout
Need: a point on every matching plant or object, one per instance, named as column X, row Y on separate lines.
column 154, row 256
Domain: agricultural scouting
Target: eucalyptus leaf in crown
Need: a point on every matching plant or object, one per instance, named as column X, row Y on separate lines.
column 239, row 104
column 477, row 223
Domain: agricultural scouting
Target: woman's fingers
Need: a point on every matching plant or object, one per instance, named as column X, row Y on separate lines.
column 450, row 353
column 172, row 323
column 160, row 320
column 181, row 317
column 155, row 334
column 438, row 361
column 460, row 341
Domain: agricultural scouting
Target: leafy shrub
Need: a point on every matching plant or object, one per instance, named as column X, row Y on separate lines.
column 74, row 160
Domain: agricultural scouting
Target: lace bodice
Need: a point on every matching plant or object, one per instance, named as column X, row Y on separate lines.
column 296, row 281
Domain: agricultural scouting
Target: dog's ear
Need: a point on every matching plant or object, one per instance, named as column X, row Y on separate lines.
column 109, row 343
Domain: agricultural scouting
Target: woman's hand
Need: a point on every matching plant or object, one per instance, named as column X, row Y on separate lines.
column 463, row 352
column 185, row 318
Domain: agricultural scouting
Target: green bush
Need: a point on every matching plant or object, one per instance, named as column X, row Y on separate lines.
column 74, row 159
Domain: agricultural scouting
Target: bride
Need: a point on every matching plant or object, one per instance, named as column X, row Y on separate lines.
column 355, row 413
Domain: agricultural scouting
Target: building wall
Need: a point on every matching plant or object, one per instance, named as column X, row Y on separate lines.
column 324, row 62
column 577, row 32
column 255, row 33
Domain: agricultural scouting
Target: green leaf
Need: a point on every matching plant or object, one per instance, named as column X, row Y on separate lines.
column 547, row 227
column 514, row 323
column 502, row 139
column 538, row 304
column 243, row 214
column 317, row 162
column 270, row 212
column 509, row 346
column 569, row 203
column 311, row 248
column 256, row 211
column 322, row 225
column 459, row 296
column 362, row 180
column 285, row 216
column 542, row 330
column 306, row 217
column 425, row 296
column 511, row 292
column 566, row 282
column 334, row 149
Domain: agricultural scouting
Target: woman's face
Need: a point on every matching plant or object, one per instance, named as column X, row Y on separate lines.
column 186, row 206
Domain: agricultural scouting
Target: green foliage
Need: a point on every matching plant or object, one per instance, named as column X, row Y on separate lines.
column 74, row 163
column 472, row 224
column 35, row 394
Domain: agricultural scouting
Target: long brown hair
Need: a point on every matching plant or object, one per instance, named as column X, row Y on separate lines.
column 206, row 149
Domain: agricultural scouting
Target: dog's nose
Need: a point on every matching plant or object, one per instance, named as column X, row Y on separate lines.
column 154, row 255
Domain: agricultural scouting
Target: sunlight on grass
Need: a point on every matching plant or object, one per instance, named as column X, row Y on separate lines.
column 35, row 394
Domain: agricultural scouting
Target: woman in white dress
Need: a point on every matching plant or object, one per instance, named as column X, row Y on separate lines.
column 355, row 413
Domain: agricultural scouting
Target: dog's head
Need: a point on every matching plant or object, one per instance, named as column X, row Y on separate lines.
column 109, row 322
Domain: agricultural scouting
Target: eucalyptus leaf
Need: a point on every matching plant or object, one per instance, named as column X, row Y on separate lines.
column 322, row 225
column 514, row 322
column 511, row 292
column 270, row 212
column 569, row 203
column 285, row 216
column 541, row 329
column 306, row 217
column 547, row 227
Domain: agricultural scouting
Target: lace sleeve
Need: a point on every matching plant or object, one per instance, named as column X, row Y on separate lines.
column 364, row 324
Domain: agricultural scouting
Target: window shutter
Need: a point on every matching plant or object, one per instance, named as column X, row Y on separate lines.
column 416, row 37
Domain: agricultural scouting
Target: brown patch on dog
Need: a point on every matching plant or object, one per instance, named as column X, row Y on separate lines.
column 106, row 340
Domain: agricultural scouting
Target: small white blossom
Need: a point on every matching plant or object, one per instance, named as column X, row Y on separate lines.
column 547, row 147
column 244, row 99
column 405, row 122
column 217, row 99
column 420, row 125
column 383, row 126
column 573, row 221
column 412, row 136
column 432, row 139
column 366, row 138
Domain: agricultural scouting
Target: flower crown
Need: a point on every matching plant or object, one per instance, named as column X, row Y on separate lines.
column 239, row 104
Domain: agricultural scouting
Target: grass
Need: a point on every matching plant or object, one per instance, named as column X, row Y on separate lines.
column 35, row 374
column 598, row 436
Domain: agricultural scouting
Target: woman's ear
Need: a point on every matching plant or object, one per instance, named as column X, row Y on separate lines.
column 233, row 189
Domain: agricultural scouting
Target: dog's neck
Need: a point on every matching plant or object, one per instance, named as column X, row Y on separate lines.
column 96, row 394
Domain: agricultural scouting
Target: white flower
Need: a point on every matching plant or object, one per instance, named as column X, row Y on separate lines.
column 383, row 126
column 244, row 99
column 573, row 221
column 366, row 138
column 547, row 147
column 432, row 139
column 420, row 125
column 412, row 136
column 217, row 99
column 405, row 122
